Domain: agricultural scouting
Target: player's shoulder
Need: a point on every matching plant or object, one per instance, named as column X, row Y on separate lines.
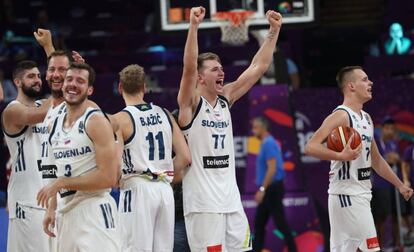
column 337, row 118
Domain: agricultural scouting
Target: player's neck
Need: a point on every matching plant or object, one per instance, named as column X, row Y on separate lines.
column 74, row 112
column 133, row 99
column 210, row 97
column 353, row 104
column 57, row 101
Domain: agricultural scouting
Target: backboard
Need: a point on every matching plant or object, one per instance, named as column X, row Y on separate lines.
column 175, row 13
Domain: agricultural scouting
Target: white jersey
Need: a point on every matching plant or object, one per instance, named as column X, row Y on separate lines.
column 148, row 152
column 74, row 154
column 209, row 185
column 25, row 179
column 353, row 177
column 48, row 167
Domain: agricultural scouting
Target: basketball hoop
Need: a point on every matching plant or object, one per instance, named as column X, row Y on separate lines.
column 234, row 31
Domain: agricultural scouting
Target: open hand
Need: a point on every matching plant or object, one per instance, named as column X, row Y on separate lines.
column 46, row 193
column 49, row 222
column 348, row 154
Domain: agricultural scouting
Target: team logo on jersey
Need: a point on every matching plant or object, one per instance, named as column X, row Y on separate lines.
column 81, row 127
column 364, row 173
column 216, row 162
column 223, row 104
column 67, row 141
column 372, row 243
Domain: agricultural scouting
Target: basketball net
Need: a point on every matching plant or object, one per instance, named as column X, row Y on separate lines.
column 234, row 31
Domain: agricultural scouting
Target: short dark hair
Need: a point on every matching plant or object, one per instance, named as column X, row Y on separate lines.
column 23, row 66
column 263, row 121
column 343, row 74
column 206, row 56
column 59, row 53
column 388, row 121
column 132, row 78
column 84, row 66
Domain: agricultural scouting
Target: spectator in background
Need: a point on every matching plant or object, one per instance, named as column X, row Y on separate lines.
column 283, row 70
column 406, row 166
column 388, row 147
column 269, row 180
column 9, row 91
column 397, row 44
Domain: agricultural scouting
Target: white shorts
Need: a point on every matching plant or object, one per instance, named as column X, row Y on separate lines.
column 352, row 224
column 216, row 232
column 26, row 231
column 146, row 212
column 92, row 225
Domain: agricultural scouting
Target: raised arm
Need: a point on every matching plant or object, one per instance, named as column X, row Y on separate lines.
column 187, row 97
column 260, row 63
column 44, row 38
column 17, row 116
column 384, row 170
column 108, row 164
column 315, row 146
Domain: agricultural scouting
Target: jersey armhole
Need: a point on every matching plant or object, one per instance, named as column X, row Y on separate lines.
column 86, row 120
column 225, row 99
column 194, row 117
column 52, row 132
column 127, row 141
column 11, row 135
column 169, row 118
column 349, row 116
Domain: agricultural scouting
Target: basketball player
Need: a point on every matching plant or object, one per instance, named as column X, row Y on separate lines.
column 148, row 134
column 87, row 167
column 214, row 215
column 352, row 224
column 21, row 121
column 57, row 64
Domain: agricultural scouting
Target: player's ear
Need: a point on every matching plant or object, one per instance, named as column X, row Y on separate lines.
column 90, row 90
column 351, row 85
column 120, row 88
column 17, row 82
column 199, row 78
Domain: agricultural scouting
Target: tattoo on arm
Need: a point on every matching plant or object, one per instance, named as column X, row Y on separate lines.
column 271, row 35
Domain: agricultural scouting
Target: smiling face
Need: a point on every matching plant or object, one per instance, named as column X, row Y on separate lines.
column 211, row 76
column 76, row 88
column 30, row 83
column 55, row 75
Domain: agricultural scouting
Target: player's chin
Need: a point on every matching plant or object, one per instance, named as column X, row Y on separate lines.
column 219, row 89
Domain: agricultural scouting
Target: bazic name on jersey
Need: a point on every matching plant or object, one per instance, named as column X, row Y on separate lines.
column 151, row 120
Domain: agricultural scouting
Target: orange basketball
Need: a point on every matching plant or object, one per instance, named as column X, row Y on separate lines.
column 339, row 137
